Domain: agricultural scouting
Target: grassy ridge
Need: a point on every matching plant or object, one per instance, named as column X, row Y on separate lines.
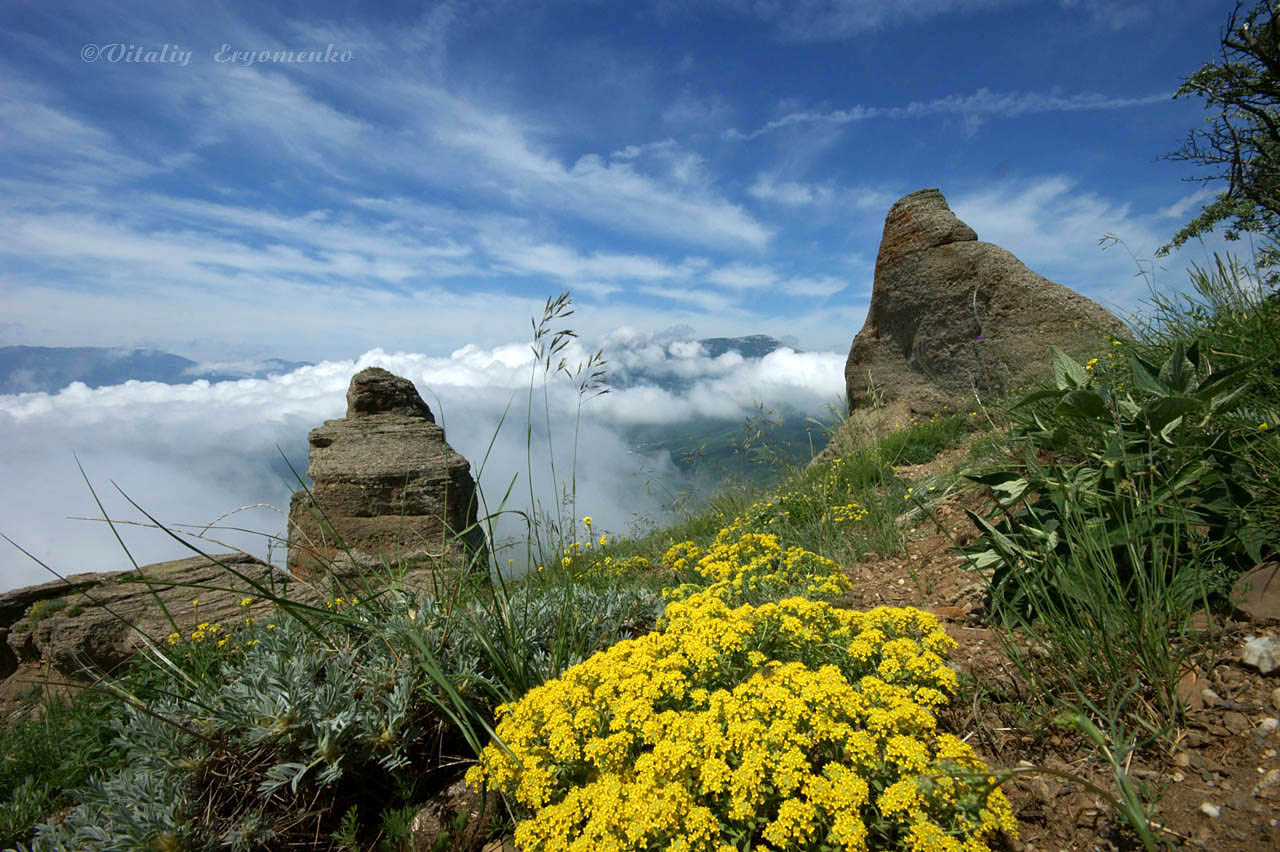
column 1126, row 493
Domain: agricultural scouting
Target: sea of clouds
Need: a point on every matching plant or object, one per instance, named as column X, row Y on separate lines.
column 190, row 454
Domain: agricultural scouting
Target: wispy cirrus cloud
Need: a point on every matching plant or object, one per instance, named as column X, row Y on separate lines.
column 832, row 20
column 768, row 186
column 743, row 276
column 812, row 21
column 981, row 105
column 1113, row 14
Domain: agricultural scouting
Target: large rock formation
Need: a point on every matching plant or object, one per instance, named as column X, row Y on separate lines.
column 388, row 491
column 100, row 620
column 951, row 315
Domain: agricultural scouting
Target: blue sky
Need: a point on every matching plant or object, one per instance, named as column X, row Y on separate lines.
column 687, row 169
column 723, row 165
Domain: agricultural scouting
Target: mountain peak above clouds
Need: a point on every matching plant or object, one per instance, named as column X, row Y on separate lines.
column 49, row 369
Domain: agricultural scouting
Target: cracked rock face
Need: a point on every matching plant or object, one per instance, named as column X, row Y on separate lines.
column 388, row 491
column 97, row 621
column 951, row 315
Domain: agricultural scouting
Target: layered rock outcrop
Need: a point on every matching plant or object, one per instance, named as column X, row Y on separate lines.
column 951, row 315
column 388, row 492
column 97, row 621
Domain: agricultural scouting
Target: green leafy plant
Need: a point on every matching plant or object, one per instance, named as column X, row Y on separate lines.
column 1137, row 487
column 396, row 824
column 1133, row 473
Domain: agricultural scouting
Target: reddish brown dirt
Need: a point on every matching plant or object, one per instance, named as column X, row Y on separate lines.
column 1223, row 755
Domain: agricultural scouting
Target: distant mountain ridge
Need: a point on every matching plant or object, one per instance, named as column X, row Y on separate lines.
column 751, row 346
column 49, row 369
column 676, row 371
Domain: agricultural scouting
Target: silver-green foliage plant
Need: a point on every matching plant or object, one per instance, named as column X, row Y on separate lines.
column 299, row 723
column 137, row 807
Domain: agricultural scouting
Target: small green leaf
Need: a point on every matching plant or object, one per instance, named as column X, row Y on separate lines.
column 1010, row 485
column 1005, row 545
column 1162, row 411
column 1067, row 374
column 1178, row 373
column 1223, row 380
column 1036, row 397
column 1144, row 378
column 1193, row 354
column 1128, row 407
column 1170, row 429
column 984, row 560
column 1082, row 403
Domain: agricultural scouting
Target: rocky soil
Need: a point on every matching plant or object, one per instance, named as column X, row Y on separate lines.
column 1216, row 785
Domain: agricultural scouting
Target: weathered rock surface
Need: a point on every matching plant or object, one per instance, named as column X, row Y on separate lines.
column 100, row 620
column 388, row 491
column 950, row 314
column 1256, row 592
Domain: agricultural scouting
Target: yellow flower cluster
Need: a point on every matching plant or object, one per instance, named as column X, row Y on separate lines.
column 591, row 549
column 824, row 496
column 206, row 631
column 590, row 558
column 848, row 514
column 788, row 726
column 752, row 566
column 610, row 567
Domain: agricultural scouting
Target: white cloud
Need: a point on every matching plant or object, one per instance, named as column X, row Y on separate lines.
column 34, row 131
column 791, row 193
column 264, row 108
column 632, row 152
column 730, row 387
column 190, row 453
column 768, row 186
column 703, row 300
column 693, row 111
column 565, row 264
column 743, row 276
column 820, row 287
column 1057, row 229
column 1182, row 208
